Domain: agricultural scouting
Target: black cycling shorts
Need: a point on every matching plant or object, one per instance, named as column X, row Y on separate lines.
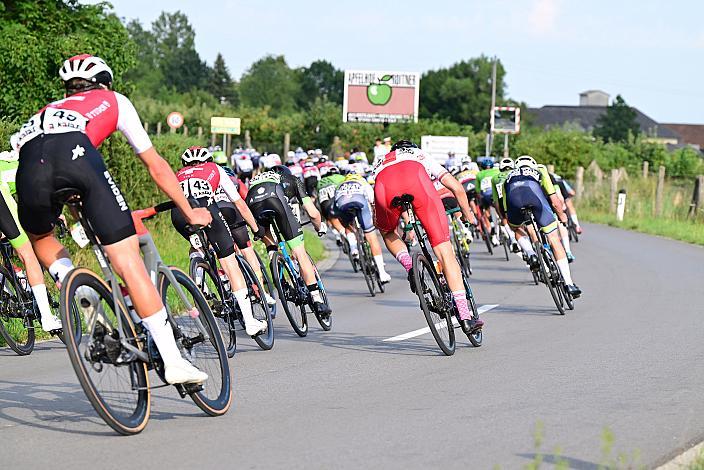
column 450, row 203
column 267, row 202
column 59, row 161
column 237, row 225
column 311, row 184
column 327, row 209
column 218, row 232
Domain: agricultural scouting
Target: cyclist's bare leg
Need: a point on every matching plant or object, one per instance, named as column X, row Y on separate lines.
column 573, row 212
column 307, row 271
column 336, row 224
column 48, row 249
column 251, row 256
column 375, row 247
column 560, row 256
column 239, row 290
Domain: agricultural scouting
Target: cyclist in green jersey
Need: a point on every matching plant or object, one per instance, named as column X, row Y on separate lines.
column 505, row 166
column 485, row 195
column 326, row 198
column 11, row 228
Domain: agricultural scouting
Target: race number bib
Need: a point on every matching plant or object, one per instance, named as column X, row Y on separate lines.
column 59, row 121
column 326, row 193
column 485, row 185
column 195, row 241
column 196, row 188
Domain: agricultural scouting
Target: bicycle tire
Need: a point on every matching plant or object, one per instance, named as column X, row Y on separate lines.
column 12, row 318
column 547, row 275
column 325, row 323
column 487, row 240
column 422, row 269
column 221, row 399
column 461, row 255
column 366, row 269
column 260, row 308
column 268, row 284
column 569, row 301
column 505, row 242
column 138, row 416
column 289, row 295
column 216, row 303
column 477, row 337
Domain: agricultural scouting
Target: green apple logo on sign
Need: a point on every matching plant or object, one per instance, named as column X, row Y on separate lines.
column 379, row 93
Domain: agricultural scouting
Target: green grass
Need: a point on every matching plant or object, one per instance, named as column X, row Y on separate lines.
column 674, row 222
column 698, row 463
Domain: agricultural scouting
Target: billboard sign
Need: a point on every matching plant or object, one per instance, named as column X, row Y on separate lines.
column 438, row 146
column 506, row 120
column 224, row 125
column 380, row 96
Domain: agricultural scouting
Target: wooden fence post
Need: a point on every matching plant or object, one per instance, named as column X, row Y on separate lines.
column 614, row 188
column 551, row 168
column 158, row 128
column 659, row 191
column 146, row 126
column 645, row 169
column 200, row 132
column 287, row 146
column 697, row 196
column 212, row 140
column 185, row 131
column 247, row 139
column 172, row 130
column 579, row 182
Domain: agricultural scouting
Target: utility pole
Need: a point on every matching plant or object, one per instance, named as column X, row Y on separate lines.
column 490, row 138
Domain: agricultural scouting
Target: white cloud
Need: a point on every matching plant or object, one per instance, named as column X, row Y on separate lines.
column 543, row 15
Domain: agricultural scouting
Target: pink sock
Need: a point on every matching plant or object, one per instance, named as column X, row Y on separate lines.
column 460, row 298
column 405, row 259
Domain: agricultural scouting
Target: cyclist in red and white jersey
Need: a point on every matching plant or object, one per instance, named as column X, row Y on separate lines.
column 58, row 150
column 200, row 180
column 407, row 170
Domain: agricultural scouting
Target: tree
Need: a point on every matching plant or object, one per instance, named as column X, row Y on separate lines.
column 270, row 82
column 180, row 64
column 220, row 83
column 37, row 36
column 147, row 72
column 320, row 80
column 617, row 123
column 462, row 92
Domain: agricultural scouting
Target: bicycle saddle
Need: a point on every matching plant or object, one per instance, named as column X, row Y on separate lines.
column 64, row 195
column 398, row 201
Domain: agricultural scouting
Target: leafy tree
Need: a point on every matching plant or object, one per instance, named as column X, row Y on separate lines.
column 147, row 72
column 618, row 123
column 462, row 92
column 174, row 43
column 270, row 82
column 320, row 80
column 220, row 83
column 37, row 36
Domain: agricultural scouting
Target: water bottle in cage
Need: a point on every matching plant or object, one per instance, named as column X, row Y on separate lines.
column 225, row 280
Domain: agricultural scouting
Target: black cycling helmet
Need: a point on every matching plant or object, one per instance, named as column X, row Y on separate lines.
column 333, row 170
column 403, row 144
column 281, row 170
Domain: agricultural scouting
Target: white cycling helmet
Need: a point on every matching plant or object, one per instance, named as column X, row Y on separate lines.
column 526, row 160
column 506, row 164
column 87, row 67
column 290, row 154
column 194, row 155
column 318, row 152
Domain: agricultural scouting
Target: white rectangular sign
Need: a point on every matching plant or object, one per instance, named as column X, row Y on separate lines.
column 438, row 146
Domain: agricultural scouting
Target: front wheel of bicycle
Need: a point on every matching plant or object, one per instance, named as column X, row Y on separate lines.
column 112, row 377
column 199, row 339
column 268, row 284
column 16, row 327
column 546, row 268
column 366, row 268
column 477, row 337
column 432, row 302
column 287, row 285
column 325, row 322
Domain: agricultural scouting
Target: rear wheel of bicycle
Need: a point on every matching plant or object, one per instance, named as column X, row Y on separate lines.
column 569, row 301
column 367, row 269
column 432, row 302
column 325, row 322
column 199, row 340
column 16, row 322
column 477, row 337
column 547, row 273
column 268, row 284
column 505, row 242
column 114, row 380
column 462, row 255
column 287, row 286
column 260, row 308
column 487, row 240
column 205, row 279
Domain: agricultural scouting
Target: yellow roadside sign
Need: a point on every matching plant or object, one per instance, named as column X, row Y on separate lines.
column 224, row 125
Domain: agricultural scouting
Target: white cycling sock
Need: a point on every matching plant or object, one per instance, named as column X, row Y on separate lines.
column 511, row 234
column 574, row 219
column 315, row 295
column 60, row 268
column 245, row 305
column 42, row 299
column 163, row 336
column 565, row 236
column 525, row 245
column 564, row 266
column 352, row 241
column 379, row 260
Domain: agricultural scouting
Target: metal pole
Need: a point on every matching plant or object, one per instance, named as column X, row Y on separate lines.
column 505, row 145
column 493, row 104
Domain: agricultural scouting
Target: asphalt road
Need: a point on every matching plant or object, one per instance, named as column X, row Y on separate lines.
column 629, row 358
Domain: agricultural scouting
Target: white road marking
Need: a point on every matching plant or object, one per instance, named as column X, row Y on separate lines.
column 426, row 330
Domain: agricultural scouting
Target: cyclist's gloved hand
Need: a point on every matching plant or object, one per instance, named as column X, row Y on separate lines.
column 323, row 229
column 259, row 233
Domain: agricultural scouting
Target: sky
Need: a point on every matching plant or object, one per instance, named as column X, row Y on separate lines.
column 651, row 52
